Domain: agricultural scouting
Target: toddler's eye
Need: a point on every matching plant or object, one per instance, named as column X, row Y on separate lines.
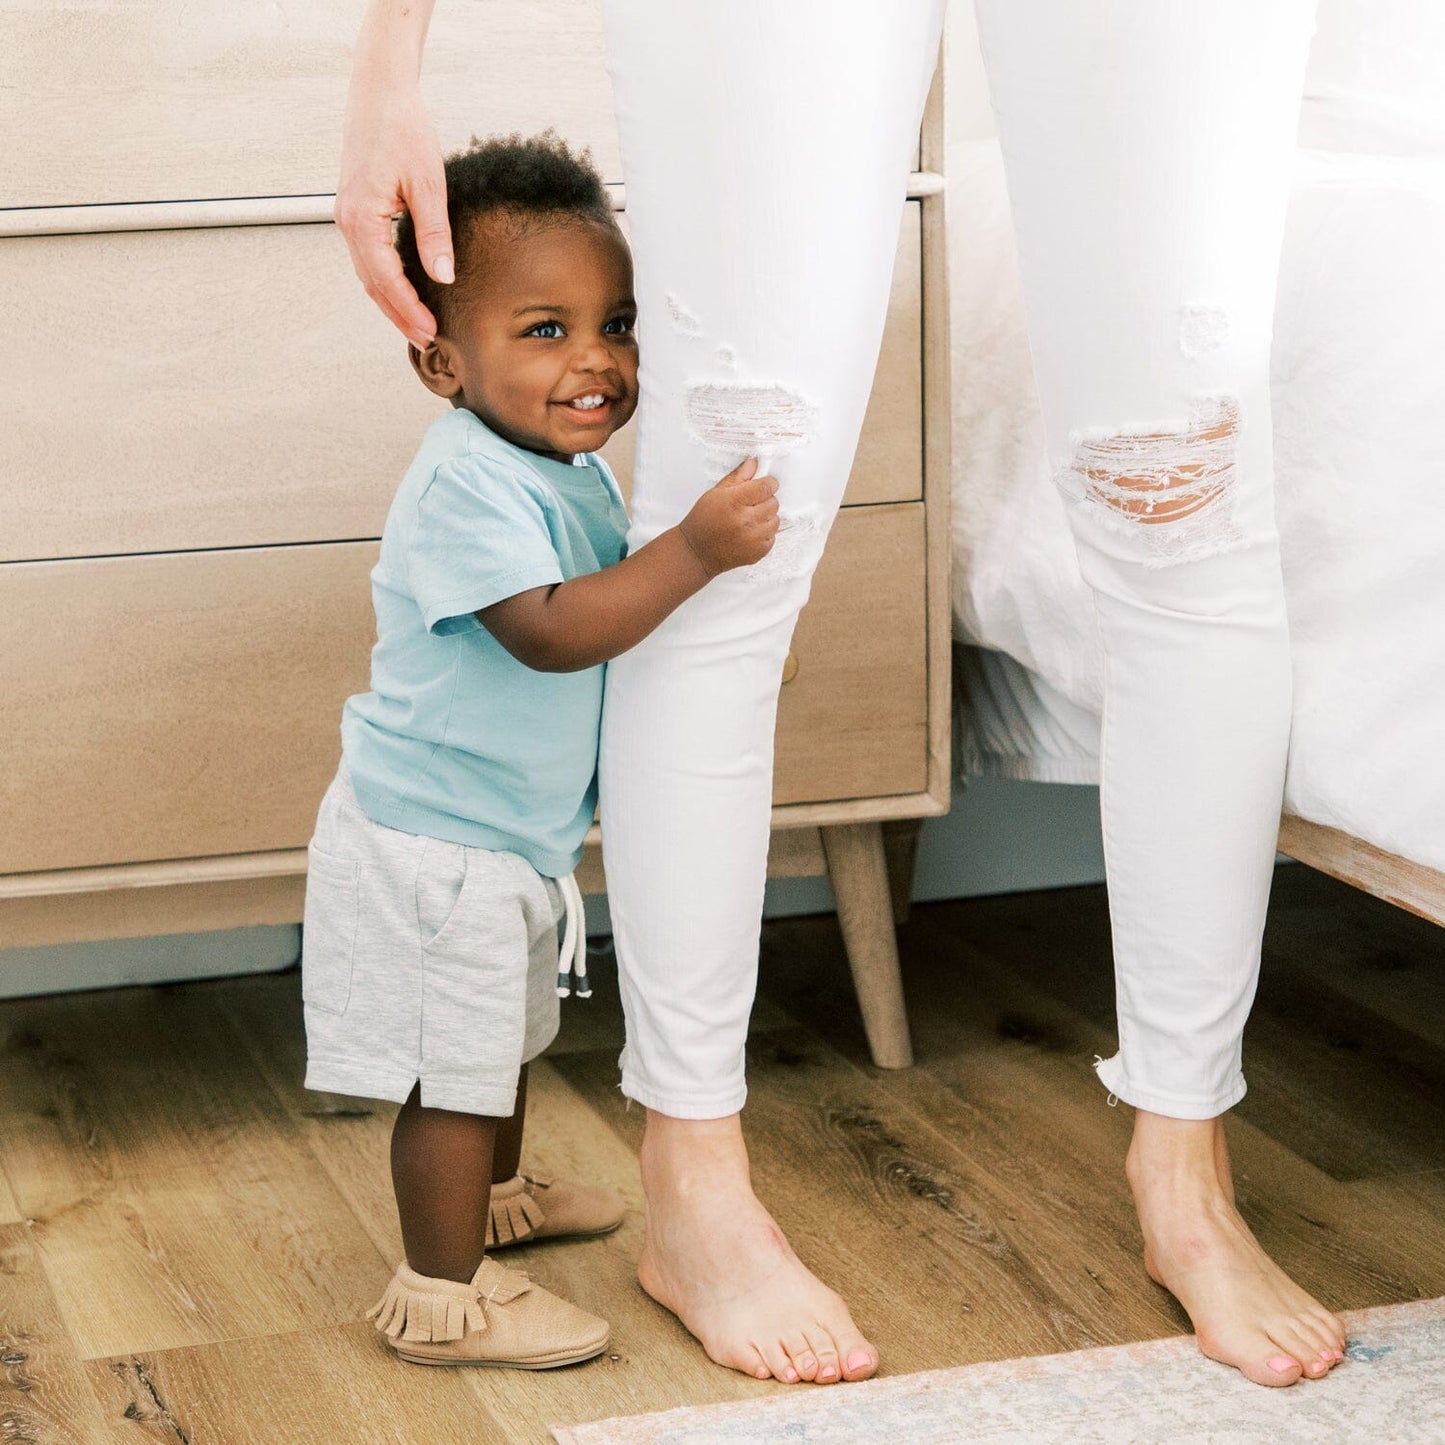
column 547, row 329
column 619, row 326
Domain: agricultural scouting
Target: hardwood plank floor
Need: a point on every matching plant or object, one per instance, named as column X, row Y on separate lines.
column 189, row 1239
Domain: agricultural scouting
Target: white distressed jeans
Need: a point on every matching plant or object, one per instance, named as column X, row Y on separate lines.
column 766, row 146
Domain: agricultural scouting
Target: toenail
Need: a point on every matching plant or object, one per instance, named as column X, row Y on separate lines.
column 762, row 1374
column 828, row 1374
column 790, row 1376
column 859, row 1360
column 1282, row 1364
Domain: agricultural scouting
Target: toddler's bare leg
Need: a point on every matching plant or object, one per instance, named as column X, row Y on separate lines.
column 441, row 1171
column 507, row 1152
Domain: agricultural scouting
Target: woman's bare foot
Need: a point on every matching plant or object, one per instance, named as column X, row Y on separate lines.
column 1246, row 1311
column 713, row 1256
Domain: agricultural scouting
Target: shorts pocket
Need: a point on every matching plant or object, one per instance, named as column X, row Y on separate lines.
column 328, row 935
column 440, row 882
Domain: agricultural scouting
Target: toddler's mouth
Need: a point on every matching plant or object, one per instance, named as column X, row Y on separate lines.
column 590, row 408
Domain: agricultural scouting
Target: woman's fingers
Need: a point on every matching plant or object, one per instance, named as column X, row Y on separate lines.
column 391, row 162
column 425, row 193
column 386, row 284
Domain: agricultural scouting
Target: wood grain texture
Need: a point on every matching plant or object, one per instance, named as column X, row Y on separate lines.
column 187, row 704
column 153, row 100
column 853, row 721
column 938, row 456
column 45, row 1397
column 858, row 866
column 984, row 1186
column 9, row 1209
column 168, row 1199
column 221, row 388
column 1397, row 880
column 239, row 390
column 146, row 912
column 296, row 1387
column 180, row 705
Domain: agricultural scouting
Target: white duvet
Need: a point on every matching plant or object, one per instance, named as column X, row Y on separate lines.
column 1359, row 400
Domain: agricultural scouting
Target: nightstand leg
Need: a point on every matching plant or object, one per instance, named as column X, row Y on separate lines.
column 900, row 847
column 859, row 870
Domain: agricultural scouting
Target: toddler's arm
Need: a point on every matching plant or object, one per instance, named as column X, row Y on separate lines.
column 572, row 625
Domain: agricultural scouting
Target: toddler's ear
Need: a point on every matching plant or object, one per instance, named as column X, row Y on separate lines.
column 435, row 366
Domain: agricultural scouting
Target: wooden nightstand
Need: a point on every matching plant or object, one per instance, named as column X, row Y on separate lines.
column 208, row 421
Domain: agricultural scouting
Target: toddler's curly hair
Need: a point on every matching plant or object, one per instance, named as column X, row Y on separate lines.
column 528, row 178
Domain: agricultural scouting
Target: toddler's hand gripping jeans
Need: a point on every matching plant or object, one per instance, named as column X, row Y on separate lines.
column 766, row 145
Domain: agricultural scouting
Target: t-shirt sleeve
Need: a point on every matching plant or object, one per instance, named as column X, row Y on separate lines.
column 480, row 536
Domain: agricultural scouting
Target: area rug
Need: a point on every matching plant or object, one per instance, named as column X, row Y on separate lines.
column 1391, row 1388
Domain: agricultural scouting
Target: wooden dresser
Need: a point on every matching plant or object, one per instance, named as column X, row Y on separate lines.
column 204, row 420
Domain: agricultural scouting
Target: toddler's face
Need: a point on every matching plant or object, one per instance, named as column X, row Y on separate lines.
column 541, row 337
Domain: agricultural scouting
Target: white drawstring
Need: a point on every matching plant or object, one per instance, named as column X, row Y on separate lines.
column 572, row 959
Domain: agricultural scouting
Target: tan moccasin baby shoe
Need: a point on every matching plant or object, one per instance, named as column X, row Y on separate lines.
column 500, row 1318
column 533, row 1206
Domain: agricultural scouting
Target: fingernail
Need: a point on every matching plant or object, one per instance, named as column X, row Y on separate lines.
column 859, row 1360
column 1282, row 1364
column 443, row 270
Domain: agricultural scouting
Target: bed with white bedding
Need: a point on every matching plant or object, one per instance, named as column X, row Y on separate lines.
column 1359, row 417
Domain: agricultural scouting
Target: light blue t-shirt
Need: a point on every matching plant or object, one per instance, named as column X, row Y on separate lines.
column 457, row 739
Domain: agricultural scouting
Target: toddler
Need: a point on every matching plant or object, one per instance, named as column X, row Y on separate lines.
column 442, row 860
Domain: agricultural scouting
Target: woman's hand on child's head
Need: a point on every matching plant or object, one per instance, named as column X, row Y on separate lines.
column 391, row 161
column 734, row 523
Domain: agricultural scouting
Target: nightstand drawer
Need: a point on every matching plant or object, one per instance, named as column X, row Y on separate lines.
column 188, row 705
column 853, row 718
column 151, row 100
column 233, row 387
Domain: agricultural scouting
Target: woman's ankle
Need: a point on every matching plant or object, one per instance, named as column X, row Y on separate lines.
column 1166, row 1151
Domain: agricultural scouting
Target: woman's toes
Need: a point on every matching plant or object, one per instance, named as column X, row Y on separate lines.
column 1283, row 1370
column 828, row 1371
column 1333, row 1330
column 800, row 1352
column 1297, row 1342
column 859, row 1360
column 748, row 1362
column 776, row 1358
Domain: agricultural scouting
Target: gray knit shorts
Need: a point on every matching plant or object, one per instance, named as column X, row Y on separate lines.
column 425, row 960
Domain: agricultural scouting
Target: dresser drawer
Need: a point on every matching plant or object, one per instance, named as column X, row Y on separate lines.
column 188, row 705
column 233, row 387
column 175, row 706
column 853, row 718
column 159, row 100
column 216, row 388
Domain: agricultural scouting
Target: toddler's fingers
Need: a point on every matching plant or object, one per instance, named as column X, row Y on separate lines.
column 742, row 473
column 758, row 492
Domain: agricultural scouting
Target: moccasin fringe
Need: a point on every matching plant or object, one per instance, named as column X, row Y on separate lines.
column 438, row 1310
column 515, row 1217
